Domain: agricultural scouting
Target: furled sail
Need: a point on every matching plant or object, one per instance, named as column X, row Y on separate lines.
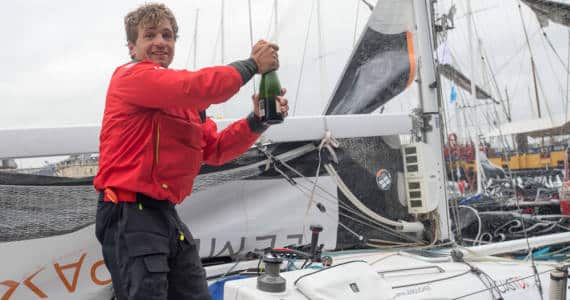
column 382, row 64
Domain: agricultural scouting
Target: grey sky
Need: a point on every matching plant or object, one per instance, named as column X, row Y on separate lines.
column 501, row 31
column 59, row 55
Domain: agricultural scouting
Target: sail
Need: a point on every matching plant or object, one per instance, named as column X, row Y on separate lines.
column 557, row 11
column 382, row 64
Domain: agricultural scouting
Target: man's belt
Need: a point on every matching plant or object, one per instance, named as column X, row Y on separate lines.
column 117, row 195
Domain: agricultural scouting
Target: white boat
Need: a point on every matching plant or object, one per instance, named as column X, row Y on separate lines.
column 422, row 260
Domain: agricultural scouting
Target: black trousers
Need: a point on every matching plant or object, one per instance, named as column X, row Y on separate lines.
column 149, row 251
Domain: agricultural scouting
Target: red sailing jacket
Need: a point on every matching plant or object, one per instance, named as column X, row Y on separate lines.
column 152, row 139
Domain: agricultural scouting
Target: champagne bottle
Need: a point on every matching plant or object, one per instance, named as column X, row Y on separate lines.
column 269, row 89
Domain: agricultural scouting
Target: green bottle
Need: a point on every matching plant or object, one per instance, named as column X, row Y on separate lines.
column 269, row 89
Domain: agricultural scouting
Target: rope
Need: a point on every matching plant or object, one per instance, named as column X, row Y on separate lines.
column 329, row 142
column 478, row 218
column 356, row 22
column 367, row 221
column 251, row 33
column 303, row 59
column 501, row 284
column 350, row 196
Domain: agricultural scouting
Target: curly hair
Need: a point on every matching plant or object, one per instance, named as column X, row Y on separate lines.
column 148, row 14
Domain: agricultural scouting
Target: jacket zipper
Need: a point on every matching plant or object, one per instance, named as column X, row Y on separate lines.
column 156, row 147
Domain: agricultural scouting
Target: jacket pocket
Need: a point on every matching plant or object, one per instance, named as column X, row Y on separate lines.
column 147, row 276
column 156, row 263
column 177, row 153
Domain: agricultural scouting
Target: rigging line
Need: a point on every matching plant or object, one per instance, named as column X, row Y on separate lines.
column 365, row 219
column 312, row 195
column 375, row 222
column 317, row 173
column 488, row 61
column 193, row 43
column 251, row 35
column 502, row 284
column 532, row 57
column 547, row 38
column 356, row 202
column 303, row 59
column 502, row 138
column 356, row 22
column 492, row 284
column 270, row 23
column 388, row 231
column 519, row 50
column 222, row 36
column 321, row 53
column 524, row 29
column 358, row 236
column 382, row 227
column 484, row 57
column 370, row 6
column 334, row 198
column 567, row 82
column 348, row 208
column 519, row 74
column 213, row 60
column 358, row 213
column 558, row 83
column 542, row 92
column 533, row 264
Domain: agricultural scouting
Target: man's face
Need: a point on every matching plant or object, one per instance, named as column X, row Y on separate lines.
column 155, row 43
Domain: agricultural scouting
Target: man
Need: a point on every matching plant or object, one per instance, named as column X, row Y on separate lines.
column 154, row 138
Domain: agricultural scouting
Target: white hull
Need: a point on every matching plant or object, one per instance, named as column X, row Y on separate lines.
column 45, row 267
column 405, row 277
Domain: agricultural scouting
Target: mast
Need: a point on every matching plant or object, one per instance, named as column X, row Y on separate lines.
column 472, row 54
column 222, row 45
column 195, row 40
column 222, row 113
column 535, row 86
column 321, row 46
column 429, row 91
column 275, row 21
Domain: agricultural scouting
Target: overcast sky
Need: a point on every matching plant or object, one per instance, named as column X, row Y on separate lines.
column 58, row 55
column 500, row 29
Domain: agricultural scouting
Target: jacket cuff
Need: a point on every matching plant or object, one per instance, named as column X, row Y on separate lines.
column 246, row 68
column 255, row 124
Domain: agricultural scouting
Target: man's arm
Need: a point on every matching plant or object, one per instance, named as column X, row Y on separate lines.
column 149, row 85
column 231, row 142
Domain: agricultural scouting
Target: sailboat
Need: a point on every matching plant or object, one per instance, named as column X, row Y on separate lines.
column 346, row 181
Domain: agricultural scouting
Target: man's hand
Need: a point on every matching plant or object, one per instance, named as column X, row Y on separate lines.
column 283, row 103
column 265, row 56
